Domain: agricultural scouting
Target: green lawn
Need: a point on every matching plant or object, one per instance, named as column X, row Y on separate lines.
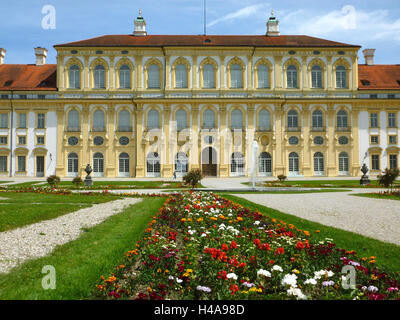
column 80, row 263
column 377, row 196
column 21, row 209
column 283, row 192
column 319, row 184
column 388, row 255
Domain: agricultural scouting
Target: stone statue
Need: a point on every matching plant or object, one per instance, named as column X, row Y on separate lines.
column 364, row 179
column 88, row 180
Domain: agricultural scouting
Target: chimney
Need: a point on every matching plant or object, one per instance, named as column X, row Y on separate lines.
column 273, row 26
column 2, row 55
column 369, row 56
column 41, row 54
column 140, row 26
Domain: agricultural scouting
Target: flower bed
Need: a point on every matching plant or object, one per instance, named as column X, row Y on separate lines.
column 200, row 246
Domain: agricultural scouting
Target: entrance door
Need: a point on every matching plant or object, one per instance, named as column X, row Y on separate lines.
column 39, row 166
column 209, row 162
column 98, row 165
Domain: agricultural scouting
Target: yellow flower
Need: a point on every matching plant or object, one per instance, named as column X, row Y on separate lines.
column 372, row 258
column 199, row 219
column 374, row 277
column 239, row 219
column 295, row 271
column 372, row 261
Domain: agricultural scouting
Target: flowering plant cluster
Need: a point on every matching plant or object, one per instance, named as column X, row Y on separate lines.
column 201, row 246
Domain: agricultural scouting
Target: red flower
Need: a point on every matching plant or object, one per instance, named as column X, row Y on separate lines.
column 233, row 245
column 279, row 251
column 271, row 262
column 234, row 288
column 266, row 246
column 242, row 265
column 257, row 242
column 224, row 247
column 222, row 275
column 300, row 245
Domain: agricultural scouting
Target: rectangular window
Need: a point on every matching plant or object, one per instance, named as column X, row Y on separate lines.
column 374, row 120
column 374, row 139
column 4, row 121
column 375, row 162
column 3, row 163
column 392, row 120
column 41, row 120
column 22, row 140
column 3, row 140
column 40, row 139
column 21, row 164
column 392, row 139
column 393, row 161
column 22, row 121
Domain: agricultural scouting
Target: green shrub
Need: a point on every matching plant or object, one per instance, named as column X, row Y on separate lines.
column 77, row 181
column 193, row 177
column 388, row 177
column 53, row 180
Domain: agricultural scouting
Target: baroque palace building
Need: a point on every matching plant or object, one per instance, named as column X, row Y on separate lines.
column 142, row 105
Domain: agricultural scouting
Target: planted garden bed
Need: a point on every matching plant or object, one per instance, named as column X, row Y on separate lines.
column 200, row 246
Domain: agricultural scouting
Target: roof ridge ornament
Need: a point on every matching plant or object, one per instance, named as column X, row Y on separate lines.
column 273, row 26
column 140, row 25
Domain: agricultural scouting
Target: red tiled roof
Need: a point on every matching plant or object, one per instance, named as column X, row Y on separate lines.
column 204, row 40
column 26, row 77
column 379, row 77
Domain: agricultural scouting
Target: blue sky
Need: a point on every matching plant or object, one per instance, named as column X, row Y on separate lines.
column 368, row 23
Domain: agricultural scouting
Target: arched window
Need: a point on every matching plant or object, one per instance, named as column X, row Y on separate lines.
column 342, row 120
column 237, row 121
column 153, row 81
column 341, row 77
column 265, row 164
column 153, row 121
column 317, row 120
column 124, row 165
column 73, row 121
column 293, row 163
column 264, row 120
column 316, row 77
column 99, row 77
column 98, row 164
column 343, row 164
column 236, row 76
column 318, row 163
column 208, row 119
column 237, row 164
column 181, row 119
column 73, row 164
column 263, row 76
column 74, row 75
column 153, row 164
column 125, row 77
column 181, row 163
column 293, row 120
column 98, row 121
column 181, row 76
column 208, row 76
column 291, row 75
column 124, row 121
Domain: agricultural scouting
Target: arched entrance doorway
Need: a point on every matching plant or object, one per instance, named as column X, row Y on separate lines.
column 209, row 162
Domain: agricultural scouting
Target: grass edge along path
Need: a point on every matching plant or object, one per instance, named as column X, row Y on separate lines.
column 387, row 254
column 80, row 263
column 377, row 196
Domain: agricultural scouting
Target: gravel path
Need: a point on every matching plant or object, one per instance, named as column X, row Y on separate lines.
column 39, row 239
column 374, row 218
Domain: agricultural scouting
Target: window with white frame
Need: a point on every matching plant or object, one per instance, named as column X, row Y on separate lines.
column 153, row 120
column 41, row 118
column 293, row 119
column 393, row 164
column 73, row 163
column 153, row 74
column 22, row 140
column 124, row 77
column 236, row 76
column 343, row 163
column 3, row 140
column 291, row 75
column 4, row 121
column 392, row 123
column 98, row 121
column 74, row 76
column 181, row 119
column 181, row 76
column 237, row 119
column 341, row 77
column 393, row 139
column 208, row 76
column 342, row 119
column 374, row 120
column 263, row 76
column 124, row 121
column 317, row 120
column 293, row 162
column 316, row 77
column 208, row 119
column 3, row 163
column 22, row 120
column 21, row 163
column 375, row 162
column 73, row 121
column 123, row 163
column 264, row 120
column 99, row 77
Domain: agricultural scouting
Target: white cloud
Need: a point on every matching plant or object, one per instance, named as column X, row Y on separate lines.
column 241, row 13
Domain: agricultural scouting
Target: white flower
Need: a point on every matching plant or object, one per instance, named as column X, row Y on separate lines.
column 192, row 232
column 257, row 222
column 290, row 279
column 248, row 285
column 264, row 273
column 311, row 281
column 178, row 280
column 321, row 273
column 231, row 276
column 204, row 289
column 372, row 289
column 328, row 283
column 277, row 268
column 296, row 292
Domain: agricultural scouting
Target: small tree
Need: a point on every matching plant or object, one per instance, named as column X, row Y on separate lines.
column 77, row 181
column 282, row 178
column 193, row 177
column 53, row 180
column 388, row 177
